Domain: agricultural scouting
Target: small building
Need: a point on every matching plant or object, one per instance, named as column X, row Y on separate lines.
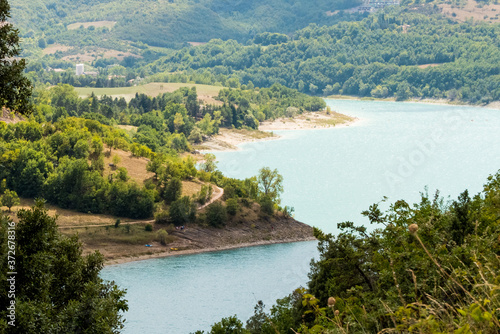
column 79, row 69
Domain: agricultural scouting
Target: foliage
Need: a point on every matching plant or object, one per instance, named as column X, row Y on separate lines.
column 266, row 205
column 162, row 217
column 162, row 236
column 431, row 267
column 229, row 325
column 182, row 211
column 9, row 199
column 270, row 183
column 373, row 57
column 216, row 215
column 57, row 289
column 15, row 88
column 232, row 206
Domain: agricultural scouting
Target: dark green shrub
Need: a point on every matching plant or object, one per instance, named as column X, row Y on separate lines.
column 267, row 205
column 216, row 214
column 232, row 206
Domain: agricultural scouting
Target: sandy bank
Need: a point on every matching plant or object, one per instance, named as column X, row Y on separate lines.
column 229, row 139
column 443, row 102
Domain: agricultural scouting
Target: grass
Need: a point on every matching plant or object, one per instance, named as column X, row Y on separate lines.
column 205, row 92
column 53, row 48
column 97, row 24
column 135, row 166
column 471, row 9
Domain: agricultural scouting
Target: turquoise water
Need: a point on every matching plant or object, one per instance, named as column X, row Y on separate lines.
column 331, row 175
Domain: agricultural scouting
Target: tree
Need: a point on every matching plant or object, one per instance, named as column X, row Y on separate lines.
column 173, row 190
column 230, row 325
column 216, row 214
column 210, row 163
column 270, row 183
column 15, row 88
column 182, row 211
column 10, row 198
column 57, row 289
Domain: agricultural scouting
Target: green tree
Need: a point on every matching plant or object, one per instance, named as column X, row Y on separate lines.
column 232, row 206
column 57, row 289
column 210, row 163
column 230, row 325
column 182, row 211
column 173, row 190
column 270, row 183
column 10, row 198
column 15, row 88
column 216, row 214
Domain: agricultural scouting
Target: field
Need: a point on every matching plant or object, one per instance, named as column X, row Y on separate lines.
column 97, row 24
column 464, row 10
column 51, row 49
column 91, row 54
column 205, row 92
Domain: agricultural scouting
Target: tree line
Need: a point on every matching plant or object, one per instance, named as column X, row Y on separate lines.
column 396, row 53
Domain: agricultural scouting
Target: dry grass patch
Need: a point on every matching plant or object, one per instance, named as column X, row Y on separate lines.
column 471, row 9
column 93, row 54
column 135, row 166
column 97, row 24
column 66, row 218
column 128, row 128
column 51, row 49
column 206, row 93
column 190, row 188
column 429, row 65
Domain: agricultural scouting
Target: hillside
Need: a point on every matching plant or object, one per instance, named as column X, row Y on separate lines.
column 171, row 22
column 398, row 52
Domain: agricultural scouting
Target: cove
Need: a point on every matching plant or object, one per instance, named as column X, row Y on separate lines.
column 331, row 175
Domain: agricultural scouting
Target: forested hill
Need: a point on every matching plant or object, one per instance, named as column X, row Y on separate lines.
column 400, row 53
column 170, row 22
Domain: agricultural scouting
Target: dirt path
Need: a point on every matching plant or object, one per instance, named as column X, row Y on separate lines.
column 218, row 193
column 215, row 196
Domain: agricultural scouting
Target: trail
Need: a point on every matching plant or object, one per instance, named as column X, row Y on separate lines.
column 217, row 194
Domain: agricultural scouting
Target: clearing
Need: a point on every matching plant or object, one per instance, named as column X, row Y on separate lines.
column 53, row 48
column 467, row 9
column 97, row 24
column 206, row 93
column 92, row 54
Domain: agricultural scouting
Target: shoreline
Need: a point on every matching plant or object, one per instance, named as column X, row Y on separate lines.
column 170, row 253
column 443, row 102
column 229, row 140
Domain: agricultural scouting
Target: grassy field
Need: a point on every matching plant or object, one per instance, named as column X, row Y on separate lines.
column 205, row 92
column 466, row 9
column 97, row 24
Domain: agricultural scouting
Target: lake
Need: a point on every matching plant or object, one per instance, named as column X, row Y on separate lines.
column 330, row 175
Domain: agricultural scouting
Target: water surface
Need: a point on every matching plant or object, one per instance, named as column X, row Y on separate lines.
column 331, row 175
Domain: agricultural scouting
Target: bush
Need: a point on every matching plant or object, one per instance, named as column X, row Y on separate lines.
column 162, row 236
column 148, row 228
column 232, row 206
column 162, row 217
column 117, row 223
column 267, row 205
column 216, row 214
